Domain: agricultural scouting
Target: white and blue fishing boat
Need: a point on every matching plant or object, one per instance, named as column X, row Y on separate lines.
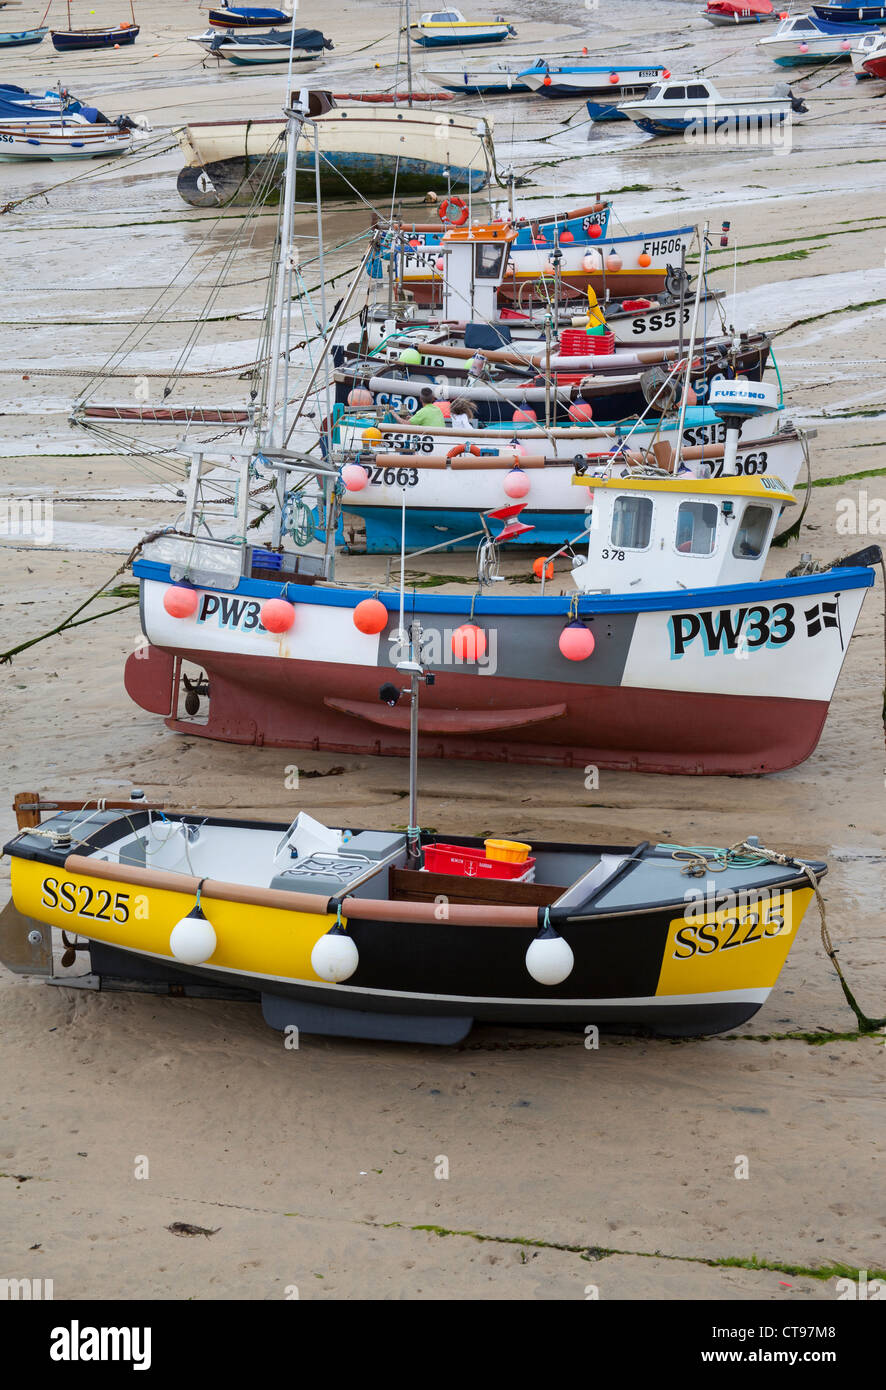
column 603, row 87
column 851, row 14
column 696, row 105
column 23, row 38
column 489, row 78
column 804, row 40
column 248, row 17
column 450, row 29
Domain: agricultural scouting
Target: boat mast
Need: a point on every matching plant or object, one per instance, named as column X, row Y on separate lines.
column 687, row 380
column 274, row 430
column 408, row 58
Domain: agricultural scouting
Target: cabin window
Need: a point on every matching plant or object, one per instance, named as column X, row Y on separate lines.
column 489, row 261
column 698, row 93
column 652, row 92
column 750, row 538
column 675, row 93
column 631, row 523
column 696, row 528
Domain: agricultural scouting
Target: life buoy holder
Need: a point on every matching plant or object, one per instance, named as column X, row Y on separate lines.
column 443, row 212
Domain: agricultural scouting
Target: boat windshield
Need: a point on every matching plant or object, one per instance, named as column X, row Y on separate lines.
column 653, row 92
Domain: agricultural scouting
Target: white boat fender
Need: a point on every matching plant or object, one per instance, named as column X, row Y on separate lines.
column 193, row 940
column 549, row 958
column 335, row 956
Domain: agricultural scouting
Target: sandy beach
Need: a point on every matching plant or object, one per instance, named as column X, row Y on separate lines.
column 319, row 1169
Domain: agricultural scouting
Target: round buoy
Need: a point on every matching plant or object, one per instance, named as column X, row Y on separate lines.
column 277, row 615
column 566, row 236
column 468, row 642
column 524, row 415
column 614, row 78
column 193, row 939
column 644, row 259
column 410, row 357
column 580, row 412
column 372, row 436
column 354, row 477
column 591, row 261
column 439, row 265
column 613, row 263
column 576, row 642
column 335, row 956
column 180, row 602
column 666, row 75
column 541, row 566
column 359, row 398
column 804, row 48
column 516, row 483
column 546, row 81
column 510, row 268
column 370, row 616
column 446, row 407
column 595, row 231
column 549, row 959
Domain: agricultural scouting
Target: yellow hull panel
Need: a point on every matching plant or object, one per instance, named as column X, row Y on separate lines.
column 264, row 941
column 736, row 947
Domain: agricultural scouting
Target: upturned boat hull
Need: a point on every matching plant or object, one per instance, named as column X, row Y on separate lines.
column 662, row 692
column 377, row 150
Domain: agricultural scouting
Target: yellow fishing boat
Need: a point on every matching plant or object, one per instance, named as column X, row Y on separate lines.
column 394, row 935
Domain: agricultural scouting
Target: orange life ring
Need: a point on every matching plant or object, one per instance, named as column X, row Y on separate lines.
column 443, row 211
column 454, row 453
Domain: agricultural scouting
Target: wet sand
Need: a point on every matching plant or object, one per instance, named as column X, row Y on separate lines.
column 567, row 1167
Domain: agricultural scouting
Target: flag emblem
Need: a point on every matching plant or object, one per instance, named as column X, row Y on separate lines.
column 821, row 616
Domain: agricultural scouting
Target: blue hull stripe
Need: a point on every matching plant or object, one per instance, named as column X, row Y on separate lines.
column 766, row 591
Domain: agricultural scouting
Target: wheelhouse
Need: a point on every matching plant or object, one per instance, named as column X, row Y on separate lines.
column 664, row 533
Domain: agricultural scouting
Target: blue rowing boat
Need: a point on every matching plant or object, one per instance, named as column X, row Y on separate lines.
column 23, row 38
column 247, row 17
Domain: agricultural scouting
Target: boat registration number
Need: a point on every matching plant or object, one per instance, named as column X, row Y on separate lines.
column 651, row 323
column 99, row 904
column 741, row 928
column 661, row 246
column 394, row 477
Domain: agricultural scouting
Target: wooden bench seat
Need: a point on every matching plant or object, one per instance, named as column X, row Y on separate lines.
column 413, row 885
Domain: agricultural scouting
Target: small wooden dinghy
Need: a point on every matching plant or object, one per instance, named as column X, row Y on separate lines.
column 366, row 933
column 23, row 38
column 248, row 17
column 114, row 36
column 62, row 139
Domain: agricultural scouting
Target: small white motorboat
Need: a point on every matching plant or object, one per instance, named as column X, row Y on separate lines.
column 450, row 29
column 695, row 105
column 803, row 40
column 868, row 46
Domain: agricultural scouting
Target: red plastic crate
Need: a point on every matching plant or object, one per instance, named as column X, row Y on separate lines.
column 574, row 342
column 471, row 863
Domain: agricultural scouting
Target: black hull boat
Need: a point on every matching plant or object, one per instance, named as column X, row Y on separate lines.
column 388, row 935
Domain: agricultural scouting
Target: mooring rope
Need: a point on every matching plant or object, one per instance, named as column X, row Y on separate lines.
column 700, row 860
